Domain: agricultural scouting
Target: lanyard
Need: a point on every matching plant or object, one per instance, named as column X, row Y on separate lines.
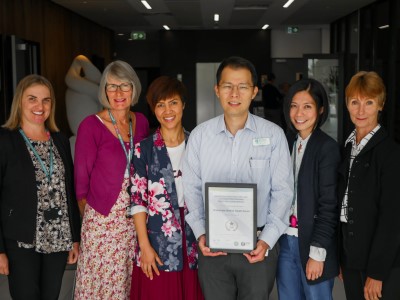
column 294, row 151
column 50, row 171
column 127, row 155
column 293, row 218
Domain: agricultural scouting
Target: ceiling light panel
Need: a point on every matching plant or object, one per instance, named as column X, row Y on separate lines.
column 146, row 4
column 287, row 4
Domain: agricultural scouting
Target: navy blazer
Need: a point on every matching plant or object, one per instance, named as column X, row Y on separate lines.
column 317, row 202
column 18, row 191
column 373, row 232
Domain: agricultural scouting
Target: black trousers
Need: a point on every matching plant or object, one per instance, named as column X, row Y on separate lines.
column 232, row 277
column 354, row 282
column 33, row 275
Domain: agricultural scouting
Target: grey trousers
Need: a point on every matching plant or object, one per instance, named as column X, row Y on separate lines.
column 232, row 277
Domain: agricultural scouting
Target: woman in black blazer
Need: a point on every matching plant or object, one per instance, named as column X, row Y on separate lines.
column 369, row 197
column 307, row 262
column 40, row 225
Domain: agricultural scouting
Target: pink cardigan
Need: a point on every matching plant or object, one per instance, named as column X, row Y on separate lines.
column 100, row 162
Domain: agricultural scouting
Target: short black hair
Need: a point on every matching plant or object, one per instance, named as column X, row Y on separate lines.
column 236, row 62
column 316, row 91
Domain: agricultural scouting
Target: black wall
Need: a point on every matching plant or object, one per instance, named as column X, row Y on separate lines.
column 181, row 50
column 177, row 52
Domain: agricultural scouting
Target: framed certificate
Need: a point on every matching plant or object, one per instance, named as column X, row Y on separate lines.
column 231, row 216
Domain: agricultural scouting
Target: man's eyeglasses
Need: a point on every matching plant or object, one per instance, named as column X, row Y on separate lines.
column 242, row 87
column 124, row 87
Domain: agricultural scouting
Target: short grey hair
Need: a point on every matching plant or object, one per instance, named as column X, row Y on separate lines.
column 122, row 71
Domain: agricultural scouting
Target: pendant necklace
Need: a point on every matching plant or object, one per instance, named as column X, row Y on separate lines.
column 128, row 155
column 49, row 172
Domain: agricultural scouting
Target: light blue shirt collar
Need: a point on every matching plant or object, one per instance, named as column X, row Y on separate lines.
column 250, row 124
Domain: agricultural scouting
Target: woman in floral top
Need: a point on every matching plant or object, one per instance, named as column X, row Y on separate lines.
column 103, row 150
column 166, row 252
column 39, row 216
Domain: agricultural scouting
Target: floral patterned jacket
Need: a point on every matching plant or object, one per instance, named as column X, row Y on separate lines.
column 153, row 188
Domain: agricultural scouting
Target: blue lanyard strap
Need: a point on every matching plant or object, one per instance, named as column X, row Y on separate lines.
column 127, row 155
column 48, row 173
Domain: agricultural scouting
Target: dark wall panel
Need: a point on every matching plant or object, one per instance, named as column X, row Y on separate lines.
column 181, row 50
column 61, row 34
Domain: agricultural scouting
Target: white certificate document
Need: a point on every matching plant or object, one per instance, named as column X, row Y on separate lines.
column 231, row 212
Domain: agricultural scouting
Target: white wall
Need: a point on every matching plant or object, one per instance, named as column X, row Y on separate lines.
column 306, row 41
column 207, row 103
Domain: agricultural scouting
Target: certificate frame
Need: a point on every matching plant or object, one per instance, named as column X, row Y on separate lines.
column 231, row 216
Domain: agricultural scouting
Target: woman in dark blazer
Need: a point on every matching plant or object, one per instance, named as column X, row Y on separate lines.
column 307, row 262
column 39, row 228
column 369, row 197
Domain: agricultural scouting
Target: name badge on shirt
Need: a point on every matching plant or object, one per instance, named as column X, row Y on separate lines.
column 261, row 141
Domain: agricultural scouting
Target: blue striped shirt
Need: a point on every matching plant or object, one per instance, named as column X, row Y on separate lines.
column 258, row 153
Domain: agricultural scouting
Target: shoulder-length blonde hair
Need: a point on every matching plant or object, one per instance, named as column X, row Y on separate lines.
column 121, row 71
column 14, row 120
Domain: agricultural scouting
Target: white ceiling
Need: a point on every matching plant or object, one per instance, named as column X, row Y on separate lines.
column 124, row 16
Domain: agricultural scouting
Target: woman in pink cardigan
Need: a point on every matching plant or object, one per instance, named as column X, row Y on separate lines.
column 103, row 151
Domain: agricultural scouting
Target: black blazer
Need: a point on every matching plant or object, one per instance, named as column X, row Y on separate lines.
column 18, row 192
column 372, row 231
column 317, row 209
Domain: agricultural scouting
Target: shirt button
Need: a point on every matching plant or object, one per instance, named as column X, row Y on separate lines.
column 351, row 222
column 351, row 233
column 350, row 209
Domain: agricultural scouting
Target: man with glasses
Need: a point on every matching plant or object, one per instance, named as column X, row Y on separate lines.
column 238, row 147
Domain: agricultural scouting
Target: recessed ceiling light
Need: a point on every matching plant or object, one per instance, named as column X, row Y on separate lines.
column 166, row 27
column 216, row 17
column 265, row 26
column 383, row 26
column 120, row 34
column 147, row 5
column 287, row 4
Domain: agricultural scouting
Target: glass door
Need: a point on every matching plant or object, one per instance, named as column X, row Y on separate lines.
column 326, row 69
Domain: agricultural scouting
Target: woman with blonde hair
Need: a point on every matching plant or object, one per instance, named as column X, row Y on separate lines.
column 40, row 226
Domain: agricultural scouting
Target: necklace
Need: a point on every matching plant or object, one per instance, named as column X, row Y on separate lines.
column 49, row 172
column 128, row 155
